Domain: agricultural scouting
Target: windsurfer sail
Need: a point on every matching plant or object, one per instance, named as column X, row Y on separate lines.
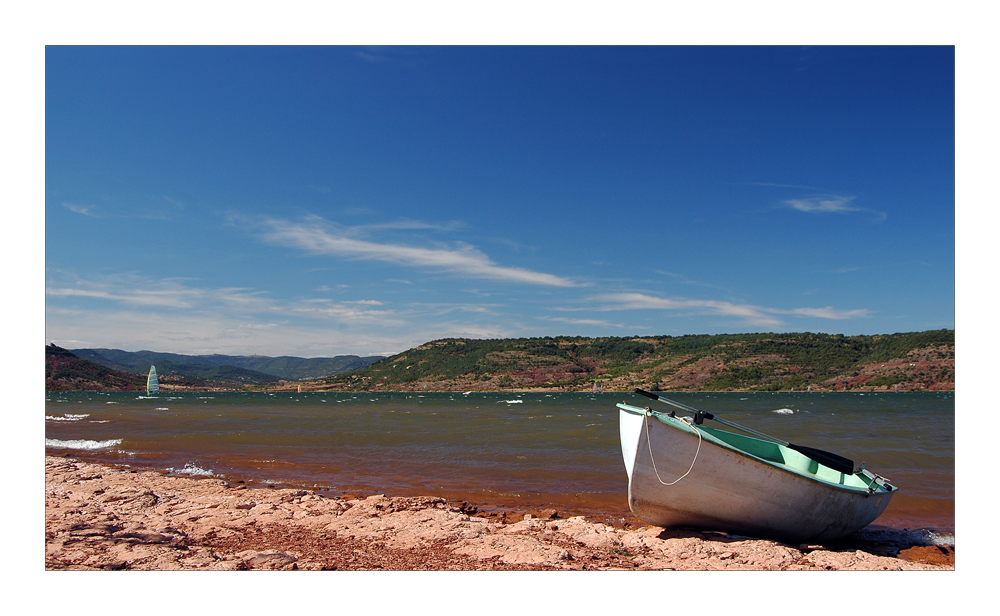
column 152, row 383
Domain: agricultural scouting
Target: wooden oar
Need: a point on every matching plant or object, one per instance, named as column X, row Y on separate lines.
column 830, row 460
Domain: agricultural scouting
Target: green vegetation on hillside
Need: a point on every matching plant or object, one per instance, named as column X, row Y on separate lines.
column 725, row 362
column 921, row 360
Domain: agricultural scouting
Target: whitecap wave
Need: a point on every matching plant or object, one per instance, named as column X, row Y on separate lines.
column 783, row 411
column 82, row 444
column 191, row 469
column 66, row 417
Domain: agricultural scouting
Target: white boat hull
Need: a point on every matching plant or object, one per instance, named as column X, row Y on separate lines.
column 732, row 491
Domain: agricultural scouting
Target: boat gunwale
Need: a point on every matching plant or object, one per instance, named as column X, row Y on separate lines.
column 706, row 433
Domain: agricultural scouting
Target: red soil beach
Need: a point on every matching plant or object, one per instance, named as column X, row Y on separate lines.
column 98, row 517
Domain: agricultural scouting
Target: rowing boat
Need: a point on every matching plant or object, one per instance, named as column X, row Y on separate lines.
column 682, row 473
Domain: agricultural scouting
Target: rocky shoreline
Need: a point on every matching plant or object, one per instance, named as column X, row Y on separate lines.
column 104, row 518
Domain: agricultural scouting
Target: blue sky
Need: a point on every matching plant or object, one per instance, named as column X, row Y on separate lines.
column 316, row 201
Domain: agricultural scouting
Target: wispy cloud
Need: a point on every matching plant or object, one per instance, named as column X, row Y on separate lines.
column 755, row 315
column 225, row 301
column 685, row 280
column 640, row 301
column 161, row 294
column 824, row 204
column 174, row 202
column 370, row 57
column 148, row 211
column 438, row 309
column 380, row 54
column 111, row 310
column 86, row 210
column 827, row 313
column 196, row 332
column 831, row 204
column 409, row 224
column 317, row 237
column 168, row 294
column 595, row 322
column 347, row 311
column 776, row 185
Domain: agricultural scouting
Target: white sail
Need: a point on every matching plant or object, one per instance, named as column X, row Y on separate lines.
column 152, row 383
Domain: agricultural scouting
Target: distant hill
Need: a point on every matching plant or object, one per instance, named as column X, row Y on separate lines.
column 725, row 362
column 249, row 369
column 65, row 371
column 914, row 361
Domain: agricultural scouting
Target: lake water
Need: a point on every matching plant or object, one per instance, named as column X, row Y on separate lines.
column 558, row 450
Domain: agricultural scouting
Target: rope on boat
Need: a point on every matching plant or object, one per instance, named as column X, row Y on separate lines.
column 650, row 445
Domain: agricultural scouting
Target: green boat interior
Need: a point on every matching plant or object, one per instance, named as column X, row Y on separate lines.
column 770, row 452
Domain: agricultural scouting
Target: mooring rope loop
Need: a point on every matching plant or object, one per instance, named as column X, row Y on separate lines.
column 650, row 445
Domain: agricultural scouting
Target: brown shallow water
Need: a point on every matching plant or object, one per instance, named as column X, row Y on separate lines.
column 504, row 450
